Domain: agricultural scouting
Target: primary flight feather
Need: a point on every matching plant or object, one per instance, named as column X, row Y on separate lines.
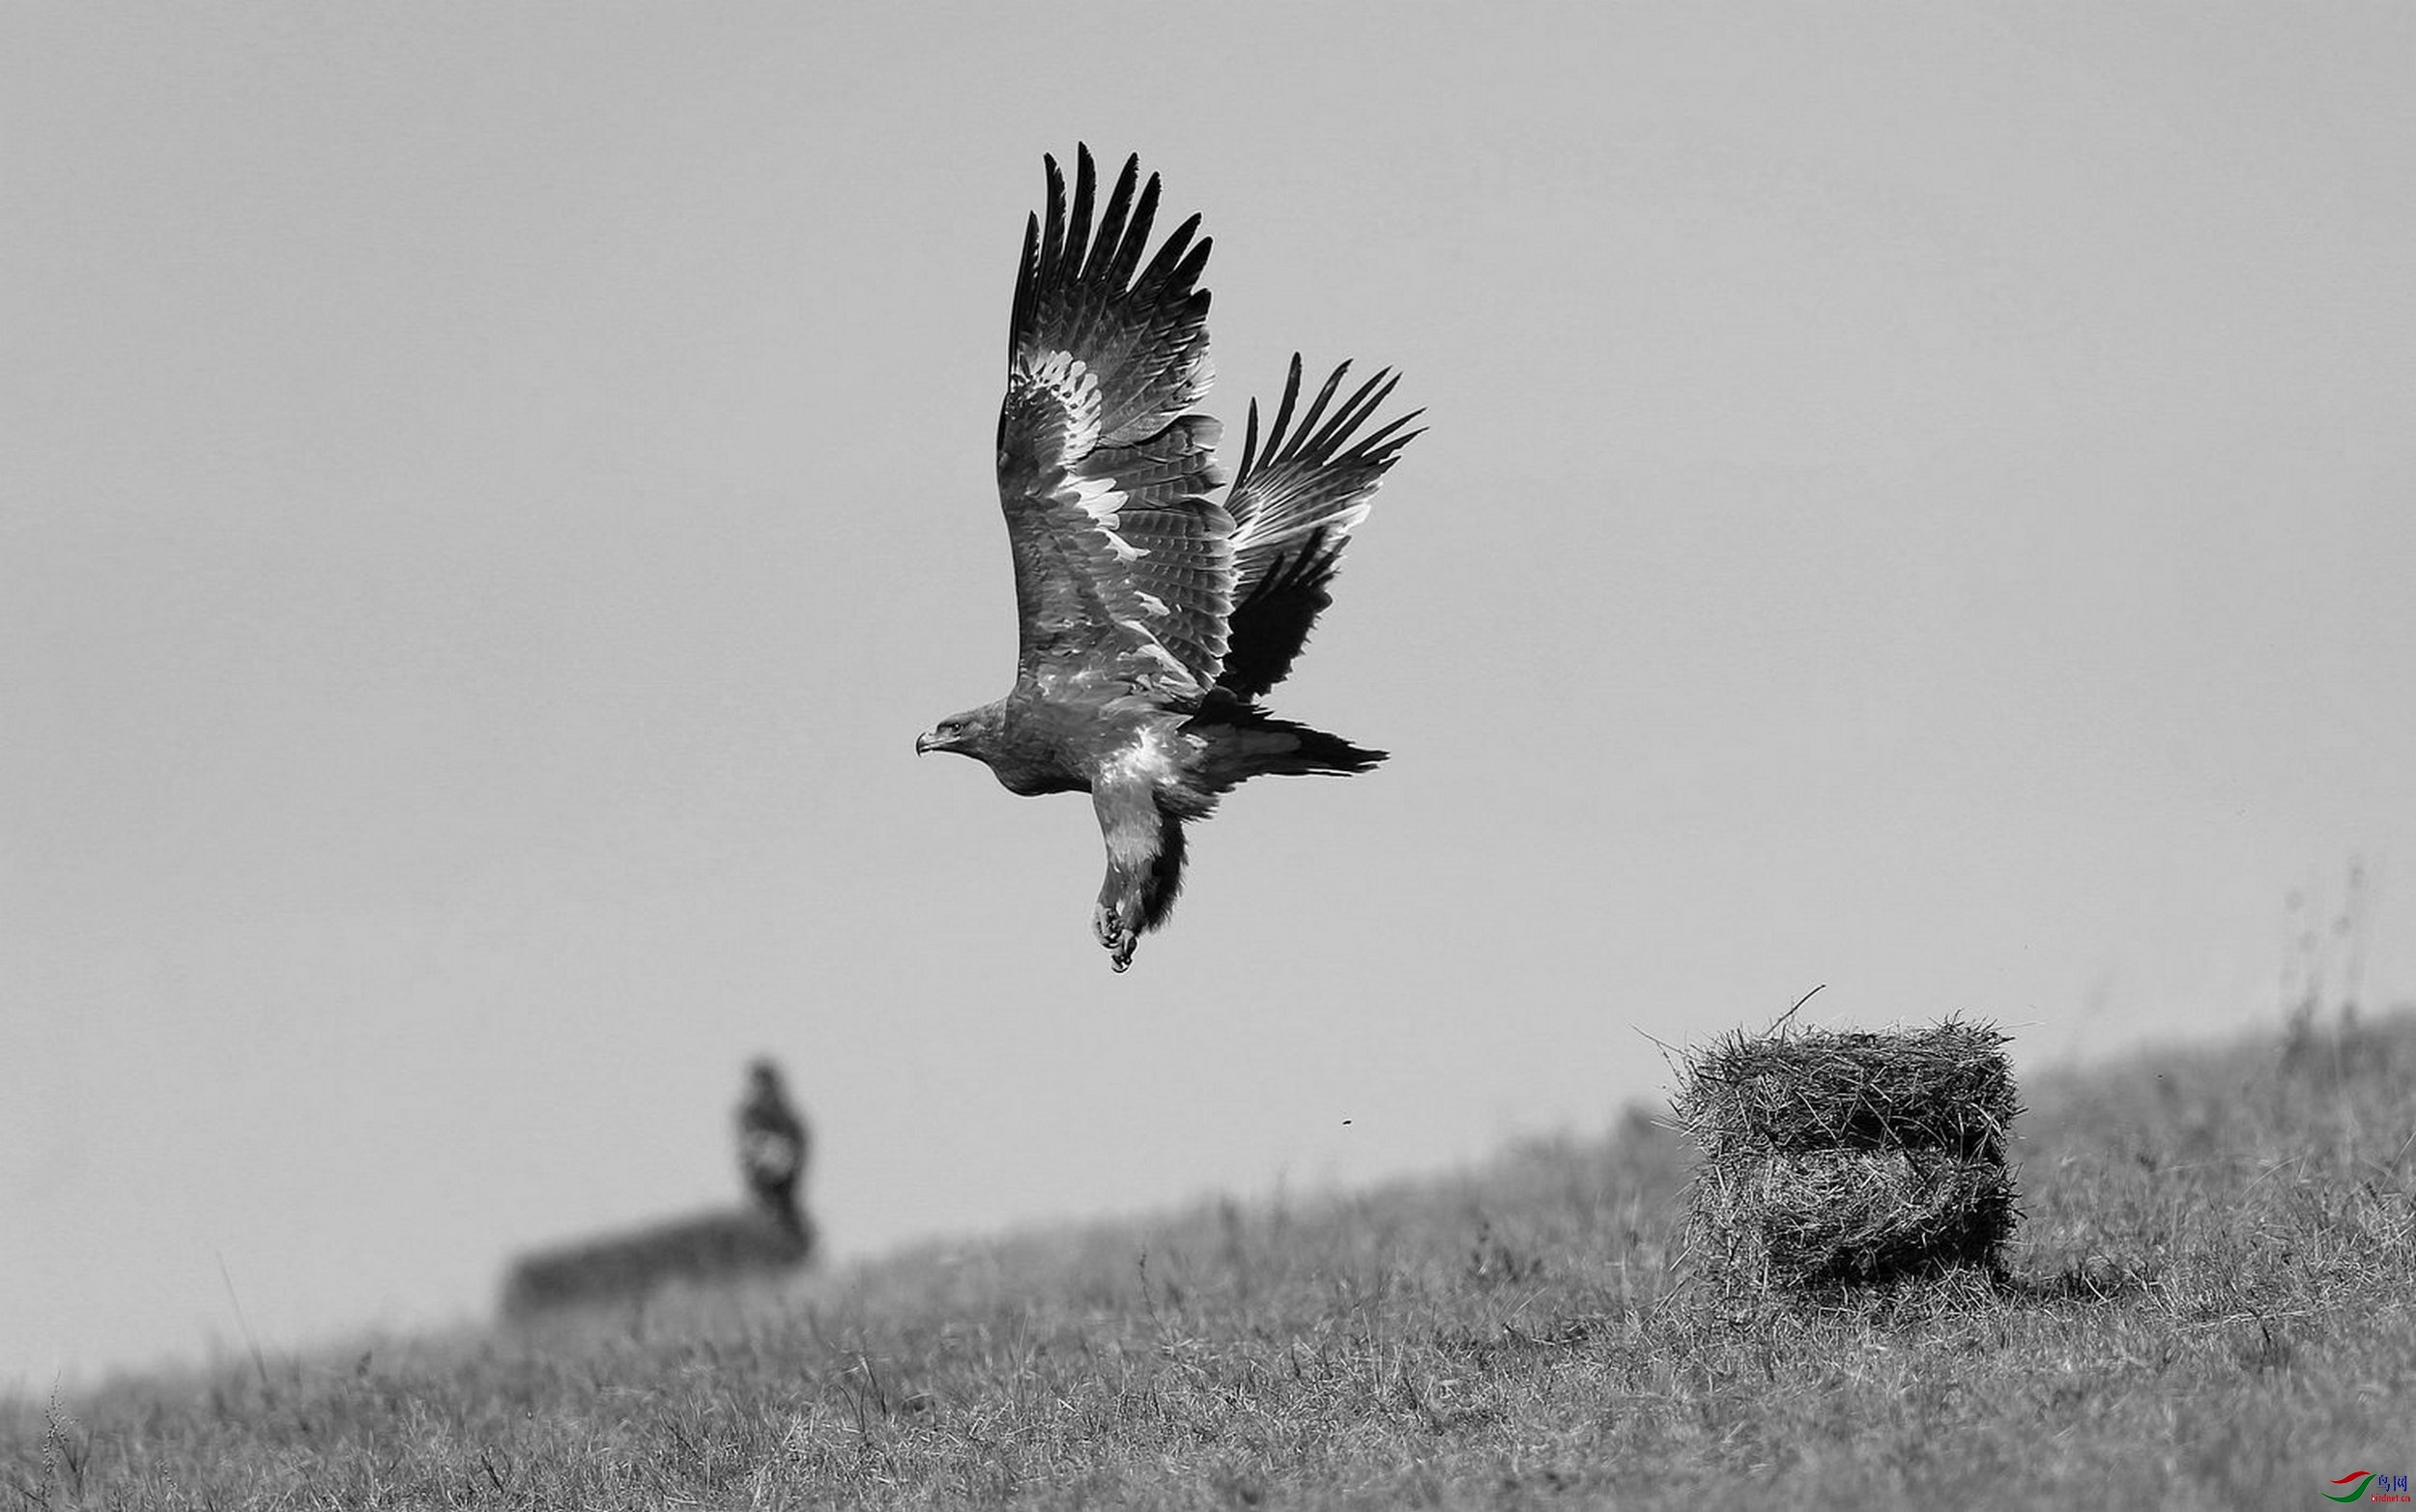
column 1152, row 617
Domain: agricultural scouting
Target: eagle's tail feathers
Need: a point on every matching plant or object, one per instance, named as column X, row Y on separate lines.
column 1246, row 741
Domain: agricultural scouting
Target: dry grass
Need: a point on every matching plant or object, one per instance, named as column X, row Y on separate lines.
column 1827, row 1218
column 1950, row 1087
column 2213, row 1305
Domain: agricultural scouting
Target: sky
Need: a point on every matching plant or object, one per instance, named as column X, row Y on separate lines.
column 1916, row 503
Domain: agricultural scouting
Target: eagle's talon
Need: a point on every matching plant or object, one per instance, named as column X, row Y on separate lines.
column 1119, row 936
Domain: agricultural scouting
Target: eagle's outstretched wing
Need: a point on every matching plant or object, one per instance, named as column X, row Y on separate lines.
column 1293, row 510
column 1122, row 563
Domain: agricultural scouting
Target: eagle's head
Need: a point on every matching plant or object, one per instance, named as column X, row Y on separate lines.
column 968, row 733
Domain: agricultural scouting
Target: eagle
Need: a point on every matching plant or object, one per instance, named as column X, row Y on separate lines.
column 1152, row 617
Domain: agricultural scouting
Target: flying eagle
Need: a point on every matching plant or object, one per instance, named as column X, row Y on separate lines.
column 1153, row 617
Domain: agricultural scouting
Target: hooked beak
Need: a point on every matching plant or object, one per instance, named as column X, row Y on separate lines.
column 927, row 740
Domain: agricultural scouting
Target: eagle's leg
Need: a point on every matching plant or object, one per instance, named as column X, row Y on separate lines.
column 1144, row 866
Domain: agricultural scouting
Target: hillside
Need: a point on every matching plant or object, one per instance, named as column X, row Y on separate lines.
column 2211, row 1308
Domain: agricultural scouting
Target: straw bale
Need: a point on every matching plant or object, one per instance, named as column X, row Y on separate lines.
column 1850, row 1156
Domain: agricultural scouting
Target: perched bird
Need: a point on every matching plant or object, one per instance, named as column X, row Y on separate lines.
column 772, row 1144
column 1152, row 617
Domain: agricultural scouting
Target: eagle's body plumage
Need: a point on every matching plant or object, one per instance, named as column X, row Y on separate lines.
column 1152, row 617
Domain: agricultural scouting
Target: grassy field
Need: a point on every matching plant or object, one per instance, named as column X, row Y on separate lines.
column 2211, row 1306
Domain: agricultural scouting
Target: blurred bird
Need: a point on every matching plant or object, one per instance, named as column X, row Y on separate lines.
column 1153, row 618
column 772, row 1145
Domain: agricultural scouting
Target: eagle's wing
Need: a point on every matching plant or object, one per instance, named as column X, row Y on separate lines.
column 1122, row 563
column 1294, row 508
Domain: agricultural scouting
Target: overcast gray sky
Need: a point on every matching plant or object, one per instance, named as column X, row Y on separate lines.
column 1917, row 500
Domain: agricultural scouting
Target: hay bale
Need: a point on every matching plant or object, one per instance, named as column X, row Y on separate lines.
column 1846, row 1157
